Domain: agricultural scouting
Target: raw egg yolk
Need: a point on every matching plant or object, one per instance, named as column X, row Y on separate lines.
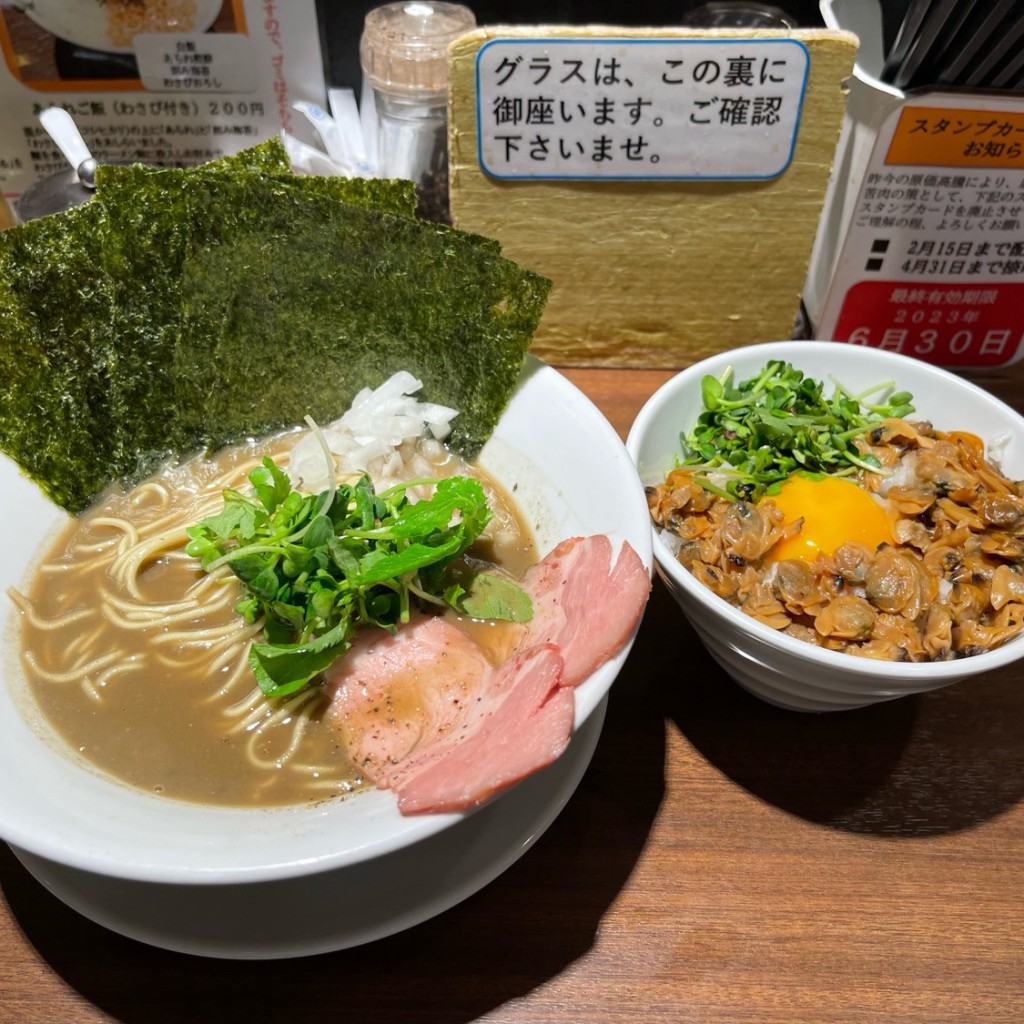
column 834, row 511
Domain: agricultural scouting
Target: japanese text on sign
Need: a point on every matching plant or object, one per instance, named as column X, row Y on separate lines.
column 647, row 109
column 209, row 63
column 932, row 264
column 958, row 137
column 946, row 324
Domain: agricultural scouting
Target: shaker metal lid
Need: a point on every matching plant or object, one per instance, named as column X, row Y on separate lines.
column 738, row 14
column 52, row 194
column 61, row 191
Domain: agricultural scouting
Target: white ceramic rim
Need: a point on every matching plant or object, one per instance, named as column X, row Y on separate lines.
column 106, row 830
column 331, row 910
column 890, row 365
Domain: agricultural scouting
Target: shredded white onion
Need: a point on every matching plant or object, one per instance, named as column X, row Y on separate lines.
column 378, row 435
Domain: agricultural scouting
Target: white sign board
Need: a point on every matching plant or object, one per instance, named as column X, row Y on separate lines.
column 649, row 109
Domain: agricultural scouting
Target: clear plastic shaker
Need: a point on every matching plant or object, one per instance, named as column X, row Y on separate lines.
column 737, row 14
column 404, row 56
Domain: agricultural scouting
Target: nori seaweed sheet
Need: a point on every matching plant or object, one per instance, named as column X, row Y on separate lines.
column 154, row 220
column 266, row 157
column 269, row 158
column 186, row 308
column 332, row 304
column 62, row 366
column 56, row 355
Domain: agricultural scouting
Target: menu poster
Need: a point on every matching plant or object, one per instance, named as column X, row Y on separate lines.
column 163, row 82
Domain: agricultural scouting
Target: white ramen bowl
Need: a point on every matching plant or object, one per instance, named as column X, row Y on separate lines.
column 778, row 668
column 561, row 458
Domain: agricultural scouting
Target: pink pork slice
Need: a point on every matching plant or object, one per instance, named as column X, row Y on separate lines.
column 521, row 724
column 424, row 714
column 393, row 695
column 578, row 604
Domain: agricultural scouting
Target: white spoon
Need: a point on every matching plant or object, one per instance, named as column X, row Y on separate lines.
column 61, row 127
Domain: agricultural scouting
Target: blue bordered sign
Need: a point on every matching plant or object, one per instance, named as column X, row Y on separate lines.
column 639, row 109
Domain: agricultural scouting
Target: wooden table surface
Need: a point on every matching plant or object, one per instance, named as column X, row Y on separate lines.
column 721, row 861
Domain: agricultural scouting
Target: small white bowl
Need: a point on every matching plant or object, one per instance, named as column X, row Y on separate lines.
column 562, row 459
column 778, row 668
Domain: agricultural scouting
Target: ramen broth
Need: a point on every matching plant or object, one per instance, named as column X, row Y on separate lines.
column 138, row 659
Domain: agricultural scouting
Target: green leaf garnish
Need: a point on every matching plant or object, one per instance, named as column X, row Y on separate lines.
column 754, row 434
column 485, row 595
column 316, row 569
column 281, row 669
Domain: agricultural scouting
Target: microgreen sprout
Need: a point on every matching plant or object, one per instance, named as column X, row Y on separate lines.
column 758, row 432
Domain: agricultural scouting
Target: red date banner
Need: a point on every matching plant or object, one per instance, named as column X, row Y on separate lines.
column 950, row 325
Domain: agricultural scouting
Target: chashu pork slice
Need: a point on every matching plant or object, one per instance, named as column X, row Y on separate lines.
column 521, row 724
column 425, row 714
column 392, row 696
column 584, row 604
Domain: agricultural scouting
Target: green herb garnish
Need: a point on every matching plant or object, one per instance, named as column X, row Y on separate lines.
column 317, row 568
column 757, row 433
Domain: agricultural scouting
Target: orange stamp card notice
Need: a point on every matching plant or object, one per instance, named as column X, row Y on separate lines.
column 958, row 137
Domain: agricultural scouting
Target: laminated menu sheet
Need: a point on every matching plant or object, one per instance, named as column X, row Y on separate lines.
column 924, row 253
column 668, row 181
column 168, row 82
column 921, row 247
